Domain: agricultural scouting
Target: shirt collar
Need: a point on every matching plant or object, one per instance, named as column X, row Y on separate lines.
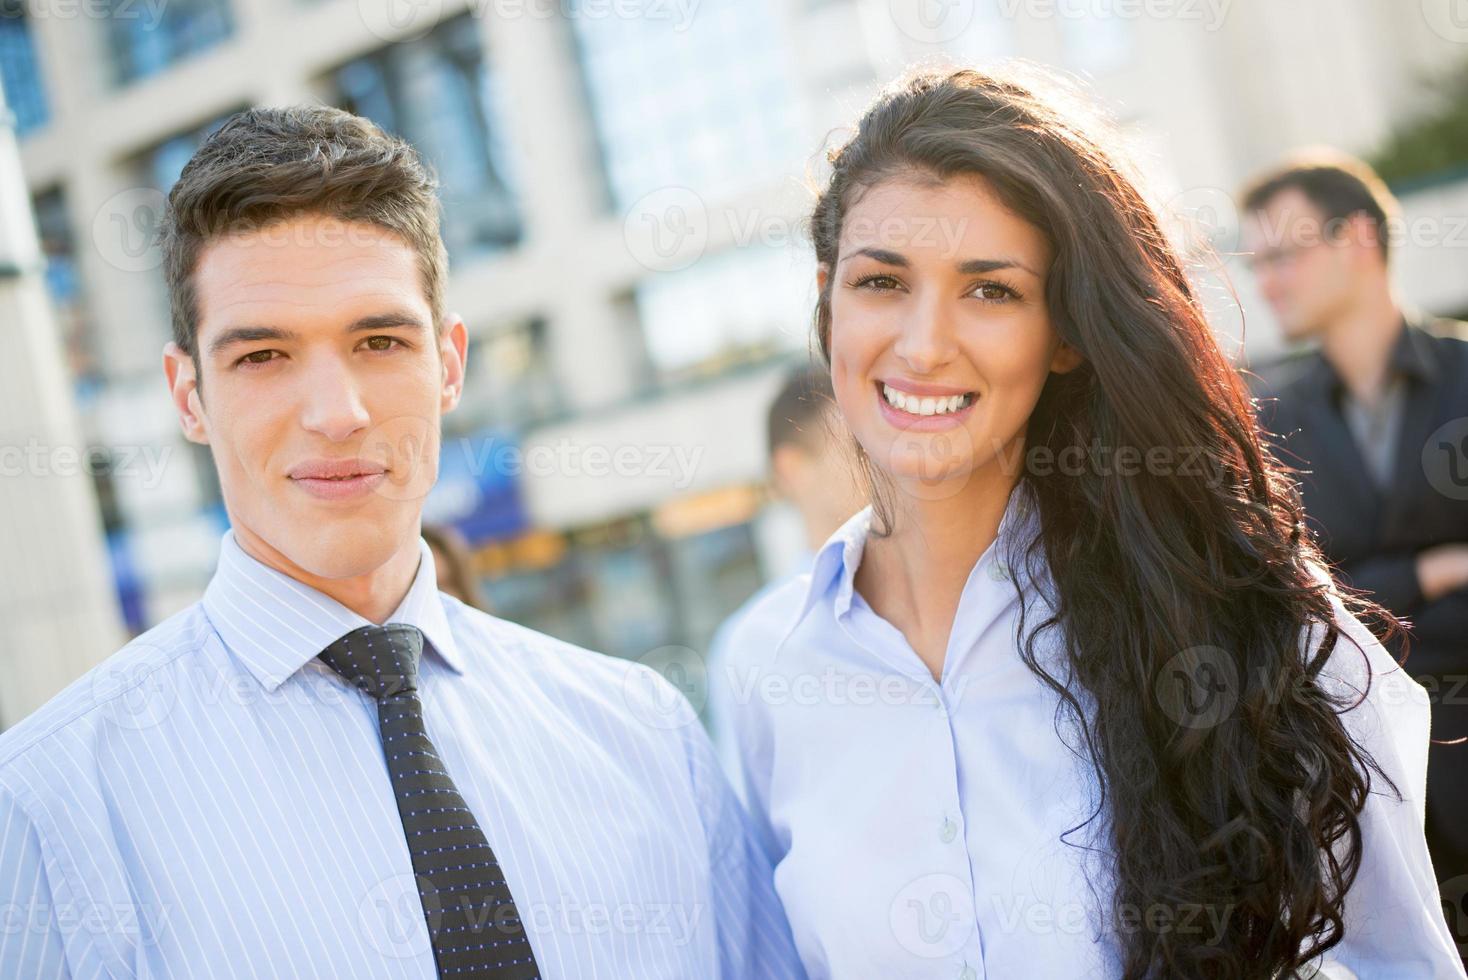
column 1413, row 353
column 1411, row 357
column 276, row 625
column 838, row 559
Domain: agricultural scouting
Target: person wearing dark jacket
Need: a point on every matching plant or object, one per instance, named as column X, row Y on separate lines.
column 1374, row 415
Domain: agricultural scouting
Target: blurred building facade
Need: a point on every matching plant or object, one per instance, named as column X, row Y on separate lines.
column 623, row 187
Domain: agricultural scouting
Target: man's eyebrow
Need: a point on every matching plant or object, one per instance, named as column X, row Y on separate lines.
column 968, row 267
column 376, row 321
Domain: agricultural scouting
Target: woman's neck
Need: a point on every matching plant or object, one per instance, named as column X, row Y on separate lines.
column 914, row 577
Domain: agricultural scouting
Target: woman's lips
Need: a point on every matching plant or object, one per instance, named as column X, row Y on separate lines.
column 349, row 488
column 909, row 422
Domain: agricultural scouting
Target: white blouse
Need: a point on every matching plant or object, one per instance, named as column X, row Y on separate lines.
column 917, row 826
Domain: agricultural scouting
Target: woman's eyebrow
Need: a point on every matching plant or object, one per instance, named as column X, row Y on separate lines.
column 966, row 267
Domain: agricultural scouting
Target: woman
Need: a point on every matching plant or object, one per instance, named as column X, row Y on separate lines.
column 1073, row 698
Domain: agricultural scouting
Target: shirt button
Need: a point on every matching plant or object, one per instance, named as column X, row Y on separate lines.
column 948, row 831
column 968, row 973
column 999, row 571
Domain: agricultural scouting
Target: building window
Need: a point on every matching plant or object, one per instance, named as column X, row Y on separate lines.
column 160, row 166
column 439, row 94
column 144, row 41
column 737, row 307
column 20, row 73
column 512, row 384
column 701, row 100
column 64, row 284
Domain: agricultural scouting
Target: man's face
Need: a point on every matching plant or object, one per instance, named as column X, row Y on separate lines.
column 317, row 347
column 1305, row 275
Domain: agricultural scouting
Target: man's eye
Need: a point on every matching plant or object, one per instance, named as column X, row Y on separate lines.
column 257, row 357
column 389, row 342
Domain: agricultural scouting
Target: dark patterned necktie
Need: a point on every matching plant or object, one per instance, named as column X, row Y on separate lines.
column 472, row 920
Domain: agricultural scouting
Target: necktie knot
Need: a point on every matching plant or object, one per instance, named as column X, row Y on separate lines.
column 381, row 660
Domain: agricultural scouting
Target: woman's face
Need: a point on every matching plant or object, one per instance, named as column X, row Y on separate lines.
column 940, row 338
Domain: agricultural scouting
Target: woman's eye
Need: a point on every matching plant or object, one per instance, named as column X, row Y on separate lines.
column 877, row 281
column 993, row 291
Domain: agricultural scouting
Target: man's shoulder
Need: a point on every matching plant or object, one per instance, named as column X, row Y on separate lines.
column 616, row 688
column 1447, row 334
column 109, row 691
column 1282, row 373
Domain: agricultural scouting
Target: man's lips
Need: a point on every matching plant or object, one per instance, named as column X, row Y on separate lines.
column 332, row 469
column 342, row 487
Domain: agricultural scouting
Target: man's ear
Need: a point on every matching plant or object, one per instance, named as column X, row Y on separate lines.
column 453, row 351
column 183, row 390
column 786, row 464
column 1364, row 232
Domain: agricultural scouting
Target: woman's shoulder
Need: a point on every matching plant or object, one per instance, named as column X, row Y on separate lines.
column 761, row 631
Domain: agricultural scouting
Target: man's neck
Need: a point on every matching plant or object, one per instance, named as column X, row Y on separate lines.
column 1358, row 344
column 373, row 595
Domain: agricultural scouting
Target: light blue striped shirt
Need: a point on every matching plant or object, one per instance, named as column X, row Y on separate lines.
column 212, row 800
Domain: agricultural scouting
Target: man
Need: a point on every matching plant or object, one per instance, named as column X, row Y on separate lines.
column 327, row 768
column 1375, row 416
column 810, row 468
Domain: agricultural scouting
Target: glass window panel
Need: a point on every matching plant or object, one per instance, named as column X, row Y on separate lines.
column 439, row 93
column 703, row 100
column 145, row 39
column 20, row 72
column 734, row 307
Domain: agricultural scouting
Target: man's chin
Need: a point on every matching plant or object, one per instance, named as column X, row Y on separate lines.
column 338, row 546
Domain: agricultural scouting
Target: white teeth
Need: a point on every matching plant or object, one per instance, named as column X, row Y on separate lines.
column 914, row 405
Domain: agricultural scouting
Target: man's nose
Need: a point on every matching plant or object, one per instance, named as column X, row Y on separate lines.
column 332, row 403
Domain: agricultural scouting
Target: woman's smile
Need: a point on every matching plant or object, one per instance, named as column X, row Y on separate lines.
column 913, row 407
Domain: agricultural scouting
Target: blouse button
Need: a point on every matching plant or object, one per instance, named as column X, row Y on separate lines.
column 968, row 973
column 948, row 831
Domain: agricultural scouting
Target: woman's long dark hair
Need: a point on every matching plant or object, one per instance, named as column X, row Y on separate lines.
column 1194, row 572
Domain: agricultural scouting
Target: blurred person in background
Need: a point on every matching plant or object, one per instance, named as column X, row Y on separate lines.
column 1355, row 411
column 1072, row 697
column 455, row 565
column 811, row 470
column 327, row 767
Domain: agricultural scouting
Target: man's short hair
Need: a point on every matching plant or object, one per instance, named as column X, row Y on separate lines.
column 269, row 165
column 797, row 415
column 1339, row 184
